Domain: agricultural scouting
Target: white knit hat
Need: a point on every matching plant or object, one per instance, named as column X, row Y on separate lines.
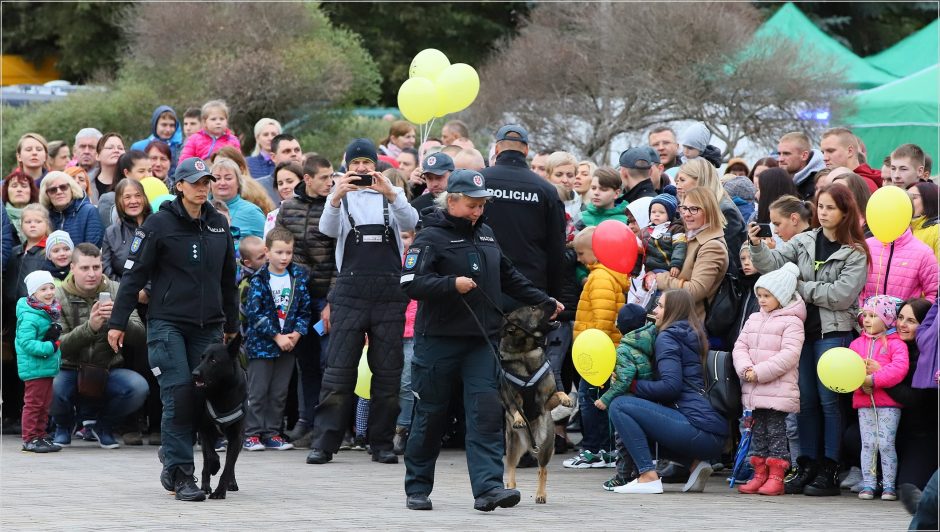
column 58, row 237
column 35, row 280
column 696, row 136
column 781, row 283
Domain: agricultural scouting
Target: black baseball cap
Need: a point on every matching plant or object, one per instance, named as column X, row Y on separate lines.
column 469, row 183
column 192, row 170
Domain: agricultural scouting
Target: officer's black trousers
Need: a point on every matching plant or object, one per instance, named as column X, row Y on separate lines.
column 361, row 305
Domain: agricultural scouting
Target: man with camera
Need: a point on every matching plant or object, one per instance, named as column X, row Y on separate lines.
column 91, row 378
column 365, row 214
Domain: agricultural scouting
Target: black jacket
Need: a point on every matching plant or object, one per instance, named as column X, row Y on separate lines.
column 447, row 248
column 528, row 219
column 422, row 203
column 22, row 264
column 191, row 264
column 301, row 216
column 643, row 189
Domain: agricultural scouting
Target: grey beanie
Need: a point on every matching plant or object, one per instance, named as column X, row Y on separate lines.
column 781, row 283
column 695, row 136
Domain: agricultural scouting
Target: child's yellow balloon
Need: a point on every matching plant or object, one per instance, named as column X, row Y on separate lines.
column 841, row 370
column 594, row 356
column 364, row 381
column 889, row 213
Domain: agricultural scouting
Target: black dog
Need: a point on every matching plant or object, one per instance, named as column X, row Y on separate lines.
column 222, row 380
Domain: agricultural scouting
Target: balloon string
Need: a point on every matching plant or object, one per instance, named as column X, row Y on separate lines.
column 880, row 261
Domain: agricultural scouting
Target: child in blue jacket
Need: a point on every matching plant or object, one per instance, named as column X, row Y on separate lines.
column 277, row 314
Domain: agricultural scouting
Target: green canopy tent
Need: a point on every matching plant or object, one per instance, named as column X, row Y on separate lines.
column 914, row 53
column 792, row 24
column 903, row 111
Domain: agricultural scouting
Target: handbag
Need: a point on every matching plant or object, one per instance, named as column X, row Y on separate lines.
column 92, row 381
column 722, row 311
column 722, row 387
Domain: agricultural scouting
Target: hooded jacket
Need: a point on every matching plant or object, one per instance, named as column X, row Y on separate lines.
column 202, row 144
column 928, row 232
column 833, row 287
column 449, row 247
column 80, row 220
column 82, row 345
column 601, row 299
column 35, row 358
column 805, row 178
column 190, row 264
column 770, row 344
column 871, row 176
column 312, row 249
column 904, row 269
column 889, row 351
column 680, row 379
column 261, row 313
column 175, row 142
column 634, row 356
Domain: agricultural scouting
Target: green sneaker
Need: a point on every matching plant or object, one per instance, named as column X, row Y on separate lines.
column 615, row 481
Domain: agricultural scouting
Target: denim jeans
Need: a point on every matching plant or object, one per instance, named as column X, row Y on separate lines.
column 925, row 517
column 175, row 349
column 311, row 363
column 819, row 406
column 124, row 393
column 596, row 432
column 406, row 398
column 638, row 421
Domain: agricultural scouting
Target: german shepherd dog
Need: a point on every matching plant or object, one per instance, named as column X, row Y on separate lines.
column 221, row 379
column 521, row 387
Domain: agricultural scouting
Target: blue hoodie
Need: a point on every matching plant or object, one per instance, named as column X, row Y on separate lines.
column 175, row 142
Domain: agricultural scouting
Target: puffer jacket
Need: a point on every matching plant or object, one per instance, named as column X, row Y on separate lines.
column 262, row 314
column 680, row 378
column 770, row 344
column 601, row 299
column 634, row 355
column 35, row 358
column 202, row 144
column 301, row 216
column 80, row 220
column 706, row 262
column 667, row 249
column 889, row 351
column 116, row 247
column 905, row 268
column 928, row 232
column 833, row 287
column 82, row 345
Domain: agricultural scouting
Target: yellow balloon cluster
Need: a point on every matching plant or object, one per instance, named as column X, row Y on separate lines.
column 594, row 356
column 436, row 88
column 841, row 370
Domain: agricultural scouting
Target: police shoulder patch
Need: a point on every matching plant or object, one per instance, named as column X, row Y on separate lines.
column 411, row 259
column 138, row 240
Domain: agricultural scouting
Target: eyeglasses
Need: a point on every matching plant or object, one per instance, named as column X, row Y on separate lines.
column 55, row 190
column 691, row 210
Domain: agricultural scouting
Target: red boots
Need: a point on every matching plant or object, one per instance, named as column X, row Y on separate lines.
column 774, row 485
column 760, row 476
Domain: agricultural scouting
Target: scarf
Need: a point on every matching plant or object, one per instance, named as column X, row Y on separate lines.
column 689, row 235
column 16, row 220
column 54, row 310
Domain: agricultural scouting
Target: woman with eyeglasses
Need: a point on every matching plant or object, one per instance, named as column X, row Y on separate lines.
column 69, row 209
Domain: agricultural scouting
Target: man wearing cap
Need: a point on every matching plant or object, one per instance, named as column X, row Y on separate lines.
column 435, row 170
column 85, row 150
column 525, row 212
column 456, row 269
column 365, row 214
column 185, row 250
column 636, row 166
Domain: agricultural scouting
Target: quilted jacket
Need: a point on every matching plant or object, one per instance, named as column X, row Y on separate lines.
column 889, row 351
column 928, row 232
column 601, row 299
column 202, row 144
column 633, row 361
column 905, row 268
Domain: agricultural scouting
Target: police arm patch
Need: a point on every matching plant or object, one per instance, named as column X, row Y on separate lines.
column 411, row 258
column 138, row 240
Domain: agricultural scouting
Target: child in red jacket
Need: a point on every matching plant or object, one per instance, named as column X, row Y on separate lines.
column 886, row 359
column 214, row 133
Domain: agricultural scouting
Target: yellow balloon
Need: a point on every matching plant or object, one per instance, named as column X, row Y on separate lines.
column 364, row 380
column 594, row 356
column 889, row 213
column 154, row 188
column 417, row 100
column 459, row 85
column 841, row 370
column 428, row 64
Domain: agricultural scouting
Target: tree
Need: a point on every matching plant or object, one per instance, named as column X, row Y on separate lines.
column 581, row 76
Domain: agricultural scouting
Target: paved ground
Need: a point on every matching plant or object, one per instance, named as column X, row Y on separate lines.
column 88, row 488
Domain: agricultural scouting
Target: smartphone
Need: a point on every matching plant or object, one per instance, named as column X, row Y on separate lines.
column 764, row 231
column 104, row 297
column 318, row 326
column 365, row 180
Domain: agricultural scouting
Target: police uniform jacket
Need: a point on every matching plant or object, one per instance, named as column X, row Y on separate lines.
column 191, row 264
column 449, row 247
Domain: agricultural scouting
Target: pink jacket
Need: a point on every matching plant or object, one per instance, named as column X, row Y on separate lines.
column 889, row 351
column 905, row 268
column 410, row 312
column 202, row 144
column 771, row 345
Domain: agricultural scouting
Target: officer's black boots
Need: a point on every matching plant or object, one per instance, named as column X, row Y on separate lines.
column 319, row 456
column 384, row 457
column 496, row 498
column 419, row 502
column 184, row 484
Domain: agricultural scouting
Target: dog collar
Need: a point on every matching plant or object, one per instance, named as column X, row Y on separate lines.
column 226, row 418
column 532, row 381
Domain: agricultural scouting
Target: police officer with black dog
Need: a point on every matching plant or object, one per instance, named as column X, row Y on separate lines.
column 457, row 271
column 186, row 252
column 365, row 214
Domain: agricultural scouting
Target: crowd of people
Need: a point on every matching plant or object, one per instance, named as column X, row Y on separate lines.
column 110, row 297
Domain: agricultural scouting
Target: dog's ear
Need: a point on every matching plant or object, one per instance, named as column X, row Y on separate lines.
column 233, row 346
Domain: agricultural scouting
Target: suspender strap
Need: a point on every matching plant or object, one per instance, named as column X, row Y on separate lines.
column 385, row 215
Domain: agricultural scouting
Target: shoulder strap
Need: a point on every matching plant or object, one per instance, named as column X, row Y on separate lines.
column 385, row 213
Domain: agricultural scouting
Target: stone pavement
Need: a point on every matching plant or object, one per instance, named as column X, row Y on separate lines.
column 84, row 487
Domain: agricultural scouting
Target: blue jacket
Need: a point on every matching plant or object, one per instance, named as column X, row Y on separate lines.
column 259, row 166
column 35, row 358
column 80, row 220
column 6, row 239
column 680, row 372
column 175, row 142
column 261, row 314
column 246, row 216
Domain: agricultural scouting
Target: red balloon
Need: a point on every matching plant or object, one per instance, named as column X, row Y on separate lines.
column 615, row 246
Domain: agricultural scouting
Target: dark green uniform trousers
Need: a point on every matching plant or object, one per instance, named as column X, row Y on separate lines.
column 438, row 362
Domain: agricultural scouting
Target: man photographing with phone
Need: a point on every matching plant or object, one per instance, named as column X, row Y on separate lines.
column 365, row 219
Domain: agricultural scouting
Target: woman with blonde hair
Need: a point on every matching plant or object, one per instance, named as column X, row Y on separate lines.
column 700, row 173
column 227, row 187
column 260, row 163
column 582, row 180
column 69, row 209
column 32, row 151
column 561, row 168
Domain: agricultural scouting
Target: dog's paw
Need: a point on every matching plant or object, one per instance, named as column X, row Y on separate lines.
column 564, row 399
column 233, row 486
column 540, row 499
column 511, row 485
column 217, row 494
column 517, row 421
column 206, row 488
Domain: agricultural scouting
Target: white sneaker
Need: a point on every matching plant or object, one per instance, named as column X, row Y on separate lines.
column 633, row 486
column 698, row 477
column 854, row 477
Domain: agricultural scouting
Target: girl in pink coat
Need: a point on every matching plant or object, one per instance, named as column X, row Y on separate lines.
column 766, row 357
column 887, row 361
column 214, row 133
